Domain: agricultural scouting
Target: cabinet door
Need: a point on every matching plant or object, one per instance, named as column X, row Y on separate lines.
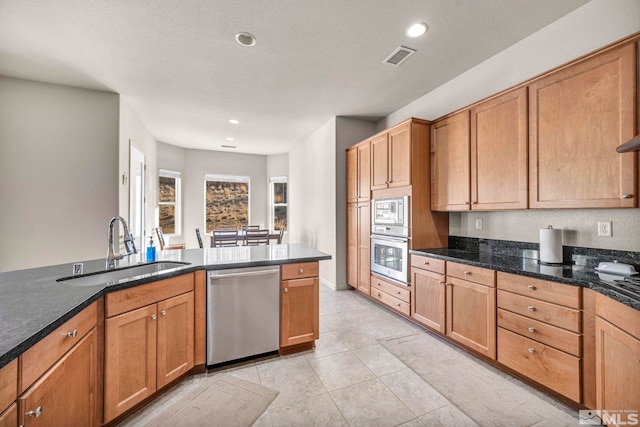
column 617, row 368
column 364, row 172
column 130, row 360
column 400, row 156
column 450, row 174
column 428, row 305
column 364, row 248
column 578, row 116
column 175, row 338
column 379, row 162
column 352, row 175
column 352, row 245
column 299, row 317
column 66, row 394
column 471, row 315
column 9, row 418
column 499, row 152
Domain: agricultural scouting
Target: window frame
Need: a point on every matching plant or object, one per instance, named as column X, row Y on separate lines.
column 225, row 178
column 177, row 176
column 272, row 205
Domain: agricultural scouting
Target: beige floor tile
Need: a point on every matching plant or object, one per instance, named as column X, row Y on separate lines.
column 414, row 392
column 328, row 344
column 447, row 416
column 340, row 370
column 294, row 382
column 379, row 360
column 371, row 403
column 316, row 411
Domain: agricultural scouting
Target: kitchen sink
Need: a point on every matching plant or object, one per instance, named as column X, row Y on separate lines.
column 111, row 276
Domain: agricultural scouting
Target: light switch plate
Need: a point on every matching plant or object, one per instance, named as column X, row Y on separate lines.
column 479, row 223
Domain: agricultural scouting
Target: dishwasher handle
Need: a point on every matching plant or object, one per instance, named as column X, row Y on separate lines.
column 217, row 275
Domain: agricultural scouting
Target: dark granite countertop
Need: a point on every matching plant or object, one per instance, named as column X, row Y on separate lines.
column 33, row 303
column 575, row 275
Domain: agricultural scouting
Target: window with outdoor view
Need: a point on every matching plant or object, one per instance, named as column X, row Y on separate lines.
column 279, row 200
column 226, row 202
column 169, row 201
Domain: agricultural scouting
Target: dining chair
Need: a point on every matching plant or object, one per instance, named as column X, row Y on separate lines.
column 222, row 238
column 250, row 227
column 162, row 243
column 199, row 238
column 256, row 237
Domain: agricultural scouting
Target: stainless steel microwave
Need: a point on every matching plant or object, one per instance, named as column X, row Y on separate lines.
column 390, row 216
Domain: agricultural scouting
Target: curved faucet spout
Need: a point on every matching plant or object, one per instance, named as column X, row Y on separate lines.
column 112, row 256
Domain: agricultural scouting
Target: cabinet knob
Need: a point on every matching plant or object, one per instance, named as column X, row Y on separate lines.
column 531, row 350
column 286, row 289
column 398, row 292
column 447, row 283
column 154, row 317
column 426, row 263
column 466, row 203
column 163, row 312
column 379, row 296
column 468, row 273
column 35, row 413
column 398, row 305
column 531, row 308
column 441, row 282
column 532, row 330
column 302, row 270
column 474, row 203
column 72, row 334
column 531, row 288
column 627, row 196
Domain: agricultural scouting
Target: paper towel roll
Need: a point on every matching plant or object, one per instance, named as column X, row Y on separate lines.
column 550, row 245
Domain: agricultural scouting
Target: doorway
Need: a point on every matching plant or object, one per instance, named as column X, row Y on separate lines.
column 137, row 197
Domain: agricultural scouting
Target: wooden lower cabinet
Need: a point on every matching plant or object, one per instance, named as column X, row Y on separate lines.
column 9, row 418
column 146, row 349
column 471, row 315
column 398, row 297
column 299, row 304
column 66, row 395
column 428, row 306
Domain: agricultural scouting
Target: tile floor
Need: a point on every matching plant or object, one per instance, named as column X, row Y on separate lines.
column 373, row 368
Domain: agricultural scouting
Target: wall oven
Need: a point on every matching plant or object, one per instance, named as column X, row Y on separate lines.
column 390, row 238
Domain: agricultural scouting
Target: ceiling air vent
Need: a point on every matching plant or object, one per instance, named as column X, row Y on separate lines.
column 399, row 55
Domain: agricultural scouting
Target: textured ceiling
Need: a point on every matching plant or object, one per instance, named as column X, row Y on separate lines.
column 178, row 66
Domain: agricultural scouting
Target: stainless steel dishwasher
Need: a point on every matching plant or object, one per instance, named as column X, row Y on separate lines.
column 243, row 313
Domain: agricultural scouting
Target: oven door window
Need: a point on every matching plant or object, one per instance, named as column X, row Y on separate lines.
column 389, row 257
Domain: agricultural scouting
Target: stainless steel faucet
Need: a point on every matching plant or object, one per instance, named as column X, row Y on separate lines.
column 128, row 243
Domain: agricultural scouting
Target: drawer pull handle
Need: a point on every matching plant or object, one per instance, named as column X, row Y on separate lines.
column 441, row 282
column 73, row 333
column 467, row 273
column 398, row 305
column 531, row 308
column 35, row 413
column 163, row 312
column 531, row 350
column 627, row 196
column 286, row 289
column 154, row 317
column 531, row 288
column 426, row 263
column 398, row 292
column 302, row 270
column 532, row 330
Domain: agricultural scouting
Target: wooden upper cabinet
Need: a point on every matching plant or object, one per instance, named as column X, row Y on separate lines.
column 499, row 152
column 400, row 155
column 450, row 167
column 578, row 116
column 359, row 173
column 379, row 162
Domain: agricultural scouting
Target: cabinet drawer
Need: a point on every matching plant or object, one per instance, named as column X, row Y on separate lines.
column 400, row 292
column 550, row 367
column 547, row 334
column 130, row 299
column 479, row 275
column 391, row 301
column 556, row 293
column 426, row 263
column 299, row 271
column 8, row 384
column 39, row 358
column 554, row 314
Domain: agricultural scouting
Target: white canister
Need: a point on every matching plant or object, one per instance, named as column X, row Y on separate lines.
column 550, row 245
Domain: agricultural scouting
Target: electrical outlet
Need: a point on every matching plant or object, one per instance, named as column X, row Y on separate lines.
column 479, row 224
column 604, row 228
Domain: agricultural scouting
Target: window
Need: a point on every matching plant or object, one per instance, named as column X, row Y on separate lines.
column 169, row 201
column 279, row 200
column 226, row 202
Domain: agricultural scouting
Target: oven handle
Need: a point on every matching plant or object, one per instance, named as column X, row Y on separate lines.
column 389, row 239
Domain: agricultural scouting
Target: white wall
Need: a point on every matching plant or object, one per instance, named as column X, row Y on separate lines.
column 594, row 25
column 59, row 173
column 132, row 131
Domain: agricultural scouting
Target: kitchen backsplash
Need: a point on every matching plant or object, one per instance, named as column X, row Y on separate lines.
column 588, row 257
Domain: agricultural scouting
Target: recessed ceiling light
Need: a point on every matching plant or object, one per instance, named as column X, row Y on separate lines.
column 416, row 30
column 231, row 139
column 246, row 39
column 234, row 121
